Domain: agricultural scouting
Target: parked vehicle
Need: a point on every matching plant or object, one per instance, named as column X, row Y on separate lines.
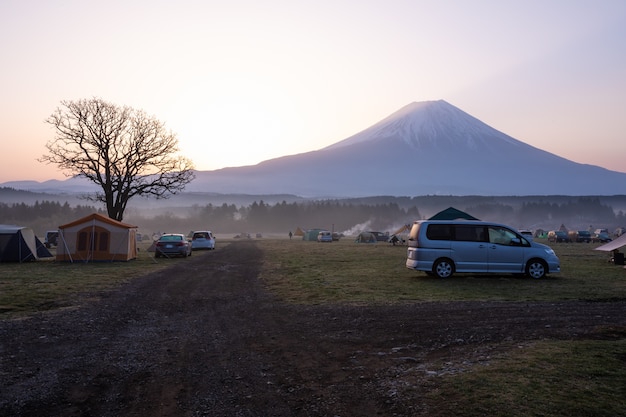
column 602, row 237
column 172, row 244
column 380, row 236
column 442, row 248
column 51, row 239
column 558, row 236
column 202, row 240
column 324, row 236
column 583, row 236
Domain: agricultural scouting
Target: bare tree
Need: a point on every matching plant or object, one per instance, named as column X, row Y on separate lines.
column 120, row 149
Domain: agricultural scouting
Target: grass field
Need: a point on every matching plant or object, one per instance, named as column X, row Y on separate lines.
column 311, row 272
column 546, row 378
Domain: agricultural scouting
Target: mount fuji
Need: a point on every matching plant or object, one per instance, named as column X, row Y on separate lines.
column 424, row 148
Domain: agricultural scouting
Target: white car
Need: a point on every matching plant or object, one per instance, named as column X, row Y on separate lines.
column 203, row 239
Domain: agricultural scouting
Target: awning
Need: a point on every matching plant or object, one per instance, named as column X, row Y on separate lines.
column 614, row 244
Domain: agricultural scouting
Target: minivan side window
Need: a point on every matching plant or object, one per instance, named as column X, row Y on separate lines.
column 439, row 232
column 470, row 233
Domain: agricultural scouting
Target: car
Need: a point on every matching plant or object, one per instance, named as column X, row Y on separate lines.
column 51, row 239
column 380, row 236
column 583, row 236
column 202, row 239
column 442, row 248
column 172, row 244
column 558, row 236
column 602, row 237
column 324, row 236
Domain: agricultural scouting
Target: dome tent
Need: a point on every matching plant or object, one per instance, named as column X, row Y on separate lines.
column 366, row 237
column 452, row 214
column 19, row 244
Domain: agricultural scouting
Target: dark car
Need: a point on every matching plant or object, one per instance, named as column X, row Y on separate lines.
column 172, row 244
column 51, row 239
column 601, row 237
column 583, row 236
column 558, row 236
column 380, row 236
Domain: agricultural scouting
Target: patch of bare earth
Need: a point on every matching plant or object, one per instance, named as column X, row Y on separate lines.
column 204, row 338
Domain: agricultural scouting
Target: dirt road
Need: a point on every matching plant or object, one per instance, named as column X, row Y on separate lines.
column 203, row 338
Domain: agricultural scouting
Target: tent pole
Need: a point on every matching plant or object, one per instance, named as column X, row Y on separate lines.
column 67, row 250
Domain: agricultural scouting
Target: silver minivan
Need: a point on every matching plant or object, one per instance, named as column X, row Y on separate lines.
column 442, row 248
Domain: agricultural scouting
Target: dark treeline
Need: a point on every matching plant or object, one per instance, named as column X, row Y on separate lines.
column 350, row 215
column 43, row 216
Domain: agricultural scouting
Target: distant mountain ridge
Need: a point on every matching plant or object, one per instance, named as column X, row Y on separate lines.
column 424, row 148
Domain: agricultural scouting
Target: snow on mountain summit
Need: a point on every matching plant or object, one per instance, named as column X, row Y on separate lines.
column 431, row 125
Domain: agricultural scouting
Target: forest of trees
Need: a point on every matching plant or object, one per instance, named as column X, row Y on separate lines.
column 345, row 216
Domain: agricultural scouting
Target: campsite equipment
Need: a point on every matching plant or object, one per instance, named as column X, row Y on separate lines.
column 311, row 234
column 452, row 213
column 19, row 244
column 366, row 237
column 97, row 238
column 614, row 246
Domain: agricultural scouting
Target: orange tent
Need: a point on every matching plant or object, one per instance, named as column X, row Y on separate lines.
column 97, row 238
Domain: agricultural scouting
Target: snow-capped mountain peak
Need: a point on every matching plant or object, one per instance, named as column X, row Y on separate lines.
column 430, row 125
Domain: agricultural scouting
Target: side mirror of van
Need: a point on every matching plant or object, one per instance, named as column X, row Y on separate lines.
column 516, row 241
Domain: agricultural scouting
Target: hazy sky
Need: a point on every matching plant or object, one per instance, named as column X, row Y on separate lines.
column 242, row 81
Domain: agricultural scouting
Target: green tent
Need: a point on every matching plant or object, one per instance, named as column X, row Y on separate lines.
column 452, row 214
column 311, row 234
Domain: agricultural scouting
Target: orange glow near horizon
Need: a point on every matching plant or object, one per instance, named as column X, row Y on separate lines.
column 246, row 82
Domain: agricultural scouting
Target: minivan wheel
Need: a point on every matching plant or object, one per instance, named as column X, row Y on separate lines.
column 443, row 268
column 536, row 268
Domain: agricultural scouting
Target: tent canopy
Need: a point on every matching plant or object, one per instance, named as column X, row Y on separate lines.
column 97, row 238
column 613, row 245
column 404, row 229
column 19, row 244
column 452, row 214
column 366, row 237
column 311, row 234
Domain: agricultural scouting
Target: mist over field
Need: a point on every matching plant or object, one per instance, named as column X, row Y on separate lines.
column 278, row 214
